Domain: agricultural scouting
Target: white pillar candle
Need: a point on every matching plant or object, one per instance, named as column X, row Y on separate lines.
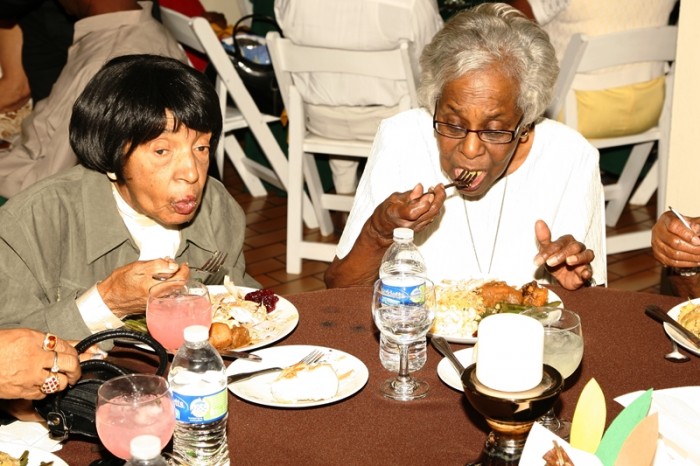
column 510, row 352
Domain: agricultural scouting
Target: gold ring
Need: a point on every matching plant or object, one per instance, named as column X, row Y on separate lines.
column 55, row 369
column 49, row 342
column 50, row 385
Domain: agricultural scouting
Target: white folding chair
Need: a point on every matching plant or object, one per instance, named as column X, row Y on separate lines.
column 288, row 58
column 197, row 34
column 587, row 54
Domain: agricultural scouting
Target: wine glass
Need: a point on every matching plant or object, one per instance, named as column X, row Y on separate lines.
column 404, row 316
column 174, row 305
column 563, row 350
column 132, row 405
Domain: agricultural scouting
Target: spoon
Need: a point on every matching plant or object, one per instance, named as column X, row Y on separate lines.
column 675, row 355
column 443, row 347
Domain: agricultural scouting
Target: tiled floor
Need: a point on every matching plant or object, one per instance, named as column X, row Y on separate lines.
column 266, row 230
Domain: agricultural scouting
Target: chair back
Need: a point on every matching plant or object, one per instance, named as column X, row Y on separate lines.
column 593, row 63
column 289, row 59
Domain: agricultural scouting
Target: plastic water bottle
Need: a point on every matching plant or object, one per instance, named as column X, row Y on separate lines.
column 402, row 269
column 145, row 451
column 198, row 383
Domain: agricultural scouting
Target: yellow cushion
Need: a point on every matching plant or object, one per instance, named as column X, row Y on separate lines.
column 620, row 111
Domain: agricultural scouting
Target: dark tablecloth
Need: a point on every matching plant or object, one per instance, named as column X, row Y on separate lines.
column 624, row 351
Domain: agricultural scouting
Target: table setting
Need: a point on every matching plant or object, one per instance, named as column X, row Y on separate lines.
column 624, row 353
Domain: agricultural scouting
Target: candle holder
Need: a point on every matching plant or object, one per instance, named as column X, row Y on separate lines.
column 509, row 414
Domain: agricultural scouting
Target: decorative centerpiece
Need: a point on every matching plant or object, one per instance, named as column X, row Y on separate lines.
column 509, row 384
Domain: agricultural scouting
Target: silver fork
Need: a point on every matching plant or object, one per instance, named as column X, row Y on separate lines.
column 463, row 180
column 210, row 266
column 312, row 357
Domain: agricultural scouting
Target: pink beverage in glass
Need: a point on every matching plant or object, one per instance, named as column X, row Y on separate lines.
column 167, row 317
column 125, row 417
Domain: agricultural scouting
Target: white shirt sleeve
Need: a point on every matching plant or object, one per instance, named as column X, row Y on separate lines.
column 95, row 313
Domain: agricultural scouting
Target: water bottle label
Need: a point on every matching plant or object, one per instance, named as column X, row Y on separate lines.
column 196, row 409
column 407, row 294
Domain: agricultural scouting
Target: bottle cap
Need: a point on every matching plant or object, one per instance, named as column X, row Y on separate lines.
column 144, row 447
column 196, row 333
column 403, row 234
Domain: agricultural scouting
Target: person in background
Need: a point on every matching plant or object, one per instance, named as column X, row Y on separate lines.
column 614, row 112
column 677, row 248
column 78, row 251
column 106, row 29
column 15, row 95
column 334, row 102
column 533, row 208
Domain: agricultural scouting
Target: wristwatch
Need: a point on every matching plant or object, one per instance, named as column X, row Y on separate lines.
column 686, row 272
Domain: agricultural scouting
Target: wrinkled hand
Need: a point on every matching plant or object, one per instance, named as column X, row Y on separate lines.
column 673, row 244
column 25, row 365
column 411, row 209
column 125, row 290
column 566, row 259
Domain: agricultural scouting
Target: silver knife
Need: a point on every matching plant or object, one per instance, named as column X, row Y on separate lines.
column 657, row 313
column 240, row 355
column 247, row 375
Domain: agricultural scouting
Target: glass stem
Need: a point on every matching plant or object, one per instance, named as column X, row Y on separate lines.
column 403, row 361
column 550, row 421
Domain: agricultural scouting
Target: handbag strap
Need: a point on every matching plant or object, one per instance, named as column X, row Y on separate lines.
column 145, row 338
column 254, row 17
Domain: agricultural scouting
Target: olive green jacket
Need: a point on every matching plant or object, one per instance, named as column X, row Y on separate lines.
column 64, row 234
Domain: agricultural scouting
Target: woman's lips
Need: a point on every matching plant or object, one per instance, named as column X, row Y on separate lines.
column 185, row 206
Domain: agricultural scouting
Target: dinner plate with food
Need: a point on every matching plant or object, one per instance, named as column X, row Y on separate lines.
column 688, row 315
column 460, row 305
column 15, row 454
column 245, row 319
column 335, row 376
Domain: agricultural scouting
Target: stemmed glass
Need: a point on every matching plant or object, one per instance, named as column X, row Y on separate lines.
column 404, row 316
column 132, row 405
column 563, row 350
column 174, row 305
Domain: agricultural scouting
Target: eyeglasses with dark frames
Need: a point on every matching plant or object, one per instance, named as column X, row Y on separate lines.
column 486, row 135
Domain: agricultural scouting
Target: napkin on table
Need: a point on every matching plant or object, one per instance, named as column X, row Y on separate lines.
column 30, row 434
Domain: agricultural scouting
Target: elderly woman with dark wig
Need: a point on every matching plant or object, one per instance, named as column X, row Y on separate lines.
column 532, row 208
column 78, row 251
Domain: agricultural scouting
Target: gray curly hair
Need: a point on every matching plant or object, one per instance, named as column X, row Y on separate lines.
column 486, row 35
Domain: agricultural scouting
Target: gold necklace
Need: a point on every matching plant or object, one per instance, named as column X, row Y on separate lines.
column 498, row 228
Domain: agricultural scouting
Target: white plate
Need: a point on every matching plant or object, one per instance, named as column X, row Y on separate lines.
column 471, row 340
column 352, row 372
column 676, row 335
column 448, row 373
column 36, row 455
column 281, row 321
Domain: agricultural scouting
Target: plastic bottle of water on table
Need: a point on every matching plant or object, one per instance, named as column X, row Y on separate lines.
column 198, row 383
column 145, row 451
column 402, row 269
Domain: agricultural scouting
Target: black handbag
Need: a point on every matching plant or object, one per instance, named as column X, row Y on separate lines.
column 258, row 78
column 72, row 411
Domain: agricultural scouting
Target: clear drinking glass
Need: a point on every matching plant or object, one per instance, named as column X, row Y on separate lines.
column 132, row 405
column 174, row 305
column 404, row 317
column 563, row 350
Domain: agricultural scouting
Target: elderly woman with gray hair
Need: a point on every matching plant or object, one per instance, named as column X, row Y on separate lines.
column 532, row 206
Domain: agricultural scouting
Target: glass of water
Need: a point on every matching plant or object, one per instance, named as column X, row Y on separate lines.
column 563, row 350
column 404, row 320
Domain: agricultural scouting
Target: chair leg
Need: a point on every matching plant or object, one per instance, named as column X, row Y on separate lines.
column 625, row 184
column 236, row 155
column 315, row 186
column 647, row 187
